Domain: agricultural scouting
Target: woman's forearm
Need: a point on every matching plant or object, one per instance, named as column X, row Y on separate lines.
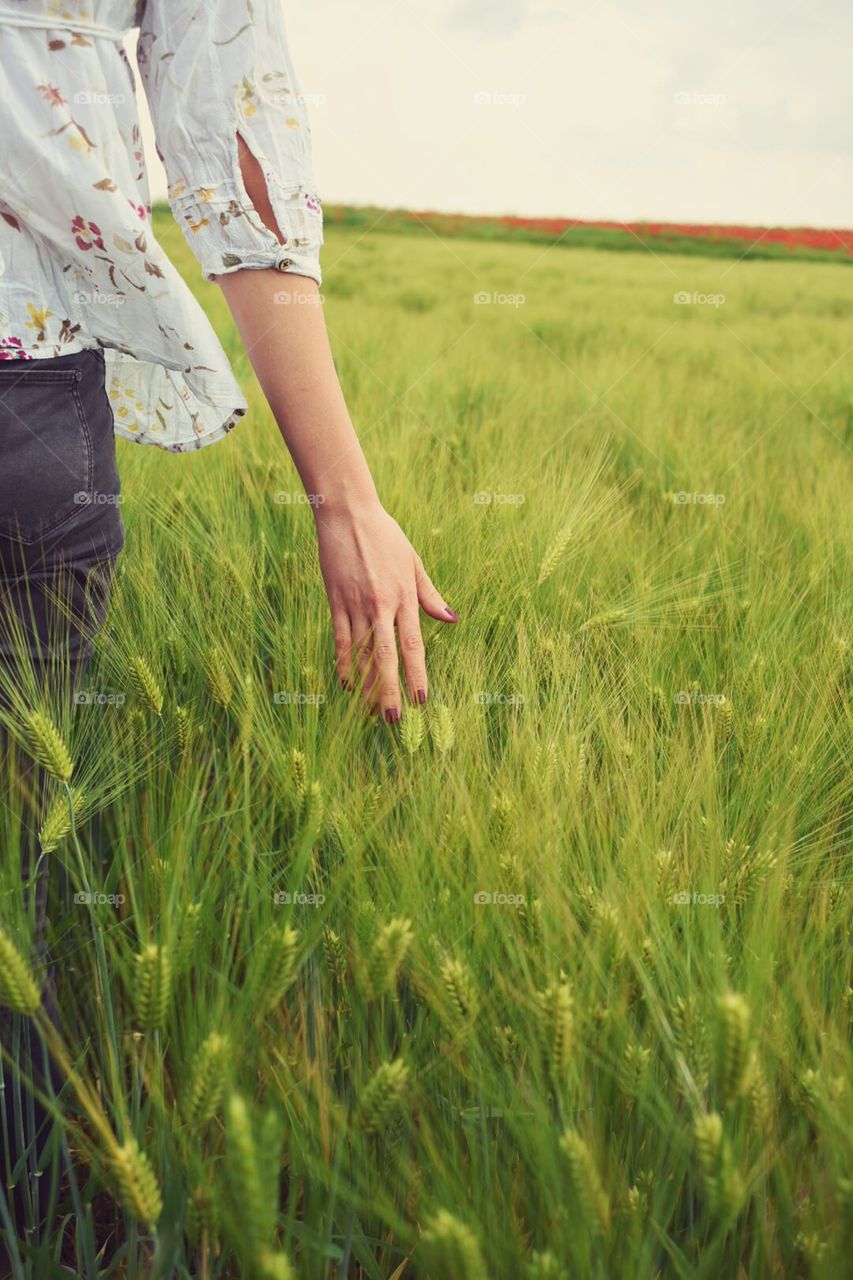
column 280, row 319
column 375, row 580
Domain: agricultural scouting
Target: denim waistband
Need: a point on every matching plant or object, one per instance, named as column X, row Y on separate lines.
column 68, row 360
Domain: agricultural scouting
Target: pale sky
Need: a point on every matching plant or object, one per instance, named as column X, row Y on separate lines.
column 735, row 111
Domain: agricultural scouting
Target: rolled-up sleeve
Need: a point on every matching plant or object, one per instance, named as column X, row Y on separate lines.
column 213, row 69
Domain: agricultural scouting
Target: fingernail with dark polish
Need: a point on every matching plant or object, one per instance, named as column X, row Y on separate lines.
column 392, row 715
column 454, row 617
column 422, row 695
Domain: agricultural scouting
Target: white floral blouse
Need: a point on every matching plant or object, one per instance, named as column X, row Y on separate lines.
column 79, row 265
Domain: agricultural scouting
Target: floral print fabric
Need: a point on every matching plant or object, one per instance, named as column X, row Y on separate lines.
column 79, row 264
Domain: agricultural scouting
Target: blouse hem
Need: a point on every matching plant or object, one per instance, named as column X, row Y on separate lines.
column 208, row 406
column 189, row 446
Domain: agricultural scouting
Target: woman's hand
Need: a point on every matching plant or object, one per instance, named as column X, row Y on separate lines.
column 375, row 582
column 373, row 575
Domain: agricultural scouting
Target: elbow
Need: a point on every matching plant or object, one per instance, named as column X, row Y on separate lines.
column 256, row 187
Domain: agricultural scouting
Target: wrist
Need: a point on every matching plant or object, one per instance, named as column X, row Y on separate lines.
column 345, row 500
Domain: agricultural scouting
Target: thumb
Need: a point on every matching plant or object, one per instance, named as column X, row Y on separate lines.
column 430, row 599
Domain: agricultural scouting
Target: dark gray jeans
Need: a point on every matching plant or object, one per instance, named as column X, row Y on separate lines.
column 61, row 532
column 60, row 520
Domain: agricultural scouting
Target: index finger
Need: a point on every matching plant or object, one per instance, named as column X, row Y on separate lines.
column 385, row 687
column 412, row 650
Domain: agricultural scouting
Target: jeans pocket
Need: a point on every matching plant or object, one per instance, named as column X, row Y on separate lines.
column 46, row 458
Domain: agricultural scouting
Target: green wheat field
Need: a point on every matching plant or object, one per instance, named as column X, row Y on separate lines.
column 551, row 980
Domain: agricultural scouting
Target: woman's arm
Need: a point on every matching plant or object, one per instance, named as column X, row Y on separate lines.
column 374, row 578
